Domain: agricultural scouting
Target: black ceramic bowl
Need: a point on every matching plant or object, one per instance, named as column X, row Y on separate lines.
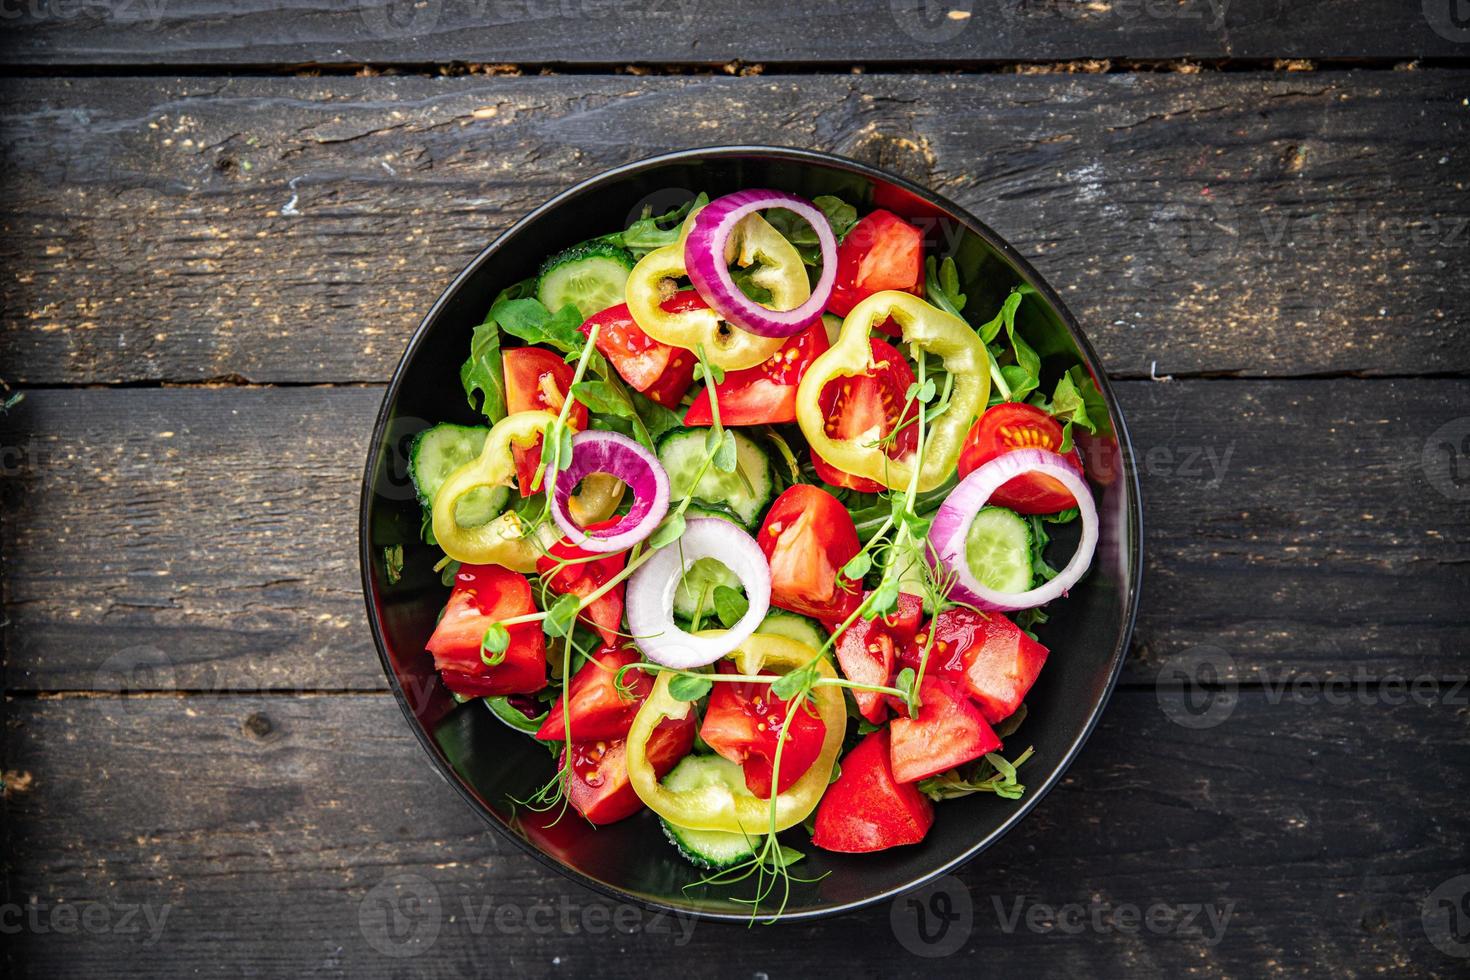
column 489, row 763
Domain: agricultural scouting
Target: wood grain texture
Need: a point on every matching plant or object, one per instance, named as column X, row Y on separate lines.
column 294, row 230
column 703, row 32
column 209, row 535
column 264, row 834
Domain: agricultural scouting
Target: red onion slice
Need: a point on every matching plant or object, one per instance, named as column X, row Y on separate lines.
column 952, row 524
column 709, row 272
column 613, row 453
column 649, row 600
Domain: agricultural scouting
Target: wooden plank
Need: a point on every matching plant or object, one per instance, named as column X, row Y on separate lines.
column 701, row 32
column 295, row 230
column 270, row 822
column 212, row 533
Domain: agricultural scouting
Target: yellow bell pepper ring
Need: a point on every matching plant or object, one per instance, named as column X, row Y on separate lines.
column 943, row 334
column 716, row 807
column 503, row 541
column 781, row 271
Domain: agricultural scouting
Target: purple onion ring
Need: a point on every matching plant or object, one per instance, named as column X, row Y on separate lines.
column 617, row 455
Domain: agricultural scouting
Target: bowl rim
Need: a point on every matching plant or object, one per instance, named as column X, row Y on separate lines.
column 1128, row 477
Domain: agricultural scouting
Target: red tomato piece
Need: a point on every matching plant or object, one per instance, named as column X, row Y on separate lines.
column 765, row 393
column 866, row 809
column 949, row 731
column 582, row 578
column 537, row 380
column 599, row 788
column 660, row 371
column 990, row 656
column 867, row 649
column 867, row 407
column 807, row 537
column 880, row 252
column 743, row 723
column 1015, row 425
column 482, row 595
column 598, row 711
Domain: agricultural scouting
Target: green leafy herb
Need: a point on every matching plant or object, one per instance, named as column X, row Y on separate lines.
column 494, row 644
column 1039, row 540
column 656, row 418
column 448, row 572
column 859, row 566
column 560, row 616
column 1076, row 401
column 942, row 284
column 688, row 687
column 671, row 530
column 483, row 374
column 994, row 774
column 532, row 322
column 655, row 231
column 723, row 454
column 730, row 605
column 393, row 563
column 603, row 398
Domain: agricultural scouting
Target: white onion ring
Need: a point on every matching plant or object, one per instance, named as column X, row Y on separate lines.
column 595, row 451
column 649, row 599
column 704, row 263
column 957, row 513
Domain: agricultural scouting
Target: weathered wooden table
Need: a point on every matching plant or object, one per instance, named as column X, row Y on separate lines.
column 222, row 219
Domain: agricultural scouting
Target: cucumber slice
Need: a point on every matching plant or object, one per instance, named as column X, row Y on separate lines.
column 591, row 276
column 695, row 593
column 698, row 771
column 694, row 510
column 779, row 622
column 439, row 451
column 744, row 493
column 711, row 849
column 998, row 549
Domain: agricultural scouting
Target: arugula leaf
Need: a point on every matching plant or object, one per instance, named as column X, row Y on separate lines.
column 602, row 398
column 1076, row 400
column 796, row 230
column 532, row 322
column 655, row 231
column 744, row 279
column 942, row 284
column 730, row 605
column 656, row 418
column 1039, row 540
column 484, row 373
column 683, row 687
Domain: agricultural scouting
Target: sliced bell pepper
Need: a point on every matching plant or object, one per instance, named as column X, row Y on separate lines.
column 503, row 541
column 930, row 329
column 781, row 272
column 766, row 393
column 718, row 808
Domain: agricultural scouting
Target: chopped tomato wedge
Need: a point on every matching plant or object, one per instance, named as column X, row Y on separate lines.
column 867, row 407
column 599, row 788
column 582, row 578
column 660, row 371
column 743, row 722
column 949, row 731
column 598, row 710
column 1015, row 425
column 866, row 809
column 807, row 537
column 990, row 656
column 482, row 595
column 880, row 252
column 765, row 393
column 537, row 380
column 867, row 649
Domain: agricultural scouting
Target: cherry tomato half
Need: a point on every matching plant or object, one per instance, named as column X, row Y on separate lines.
column 660, row 371
column 867, row 407
column 880, row 252
column 1010, row 426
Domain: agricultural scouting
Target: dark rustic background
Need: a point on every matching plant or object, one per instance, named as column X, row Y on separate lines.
column 220, row 220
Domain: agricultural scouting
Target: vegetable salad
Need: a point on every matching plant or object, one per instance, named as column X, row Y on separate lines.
column 754, row 534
